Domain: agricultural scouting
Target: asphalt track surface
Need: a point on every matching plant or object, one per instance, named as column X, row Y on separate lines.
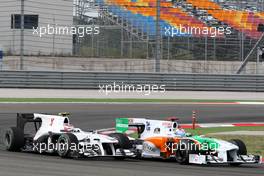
column 94, row 116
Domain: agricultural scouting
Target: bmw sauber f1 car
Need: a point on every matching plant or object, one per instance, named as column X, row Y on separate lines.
column 166, row 139
column 55, row 135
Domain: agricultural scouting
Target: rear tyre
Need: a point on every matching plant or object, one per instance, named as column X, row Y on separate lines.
column 123, row 143
column 65, row 145
column 242, row 149
column 14, row 139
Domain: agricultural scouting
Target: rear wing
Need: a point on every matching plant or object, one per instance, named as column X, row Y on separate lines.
column 23, row 118
column 122, row 125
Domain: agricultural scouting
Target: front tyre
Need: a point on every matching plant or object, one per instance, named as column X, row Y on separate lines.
column 14, row 139
column 67, row 145
column 242, row 149
column 185, row 148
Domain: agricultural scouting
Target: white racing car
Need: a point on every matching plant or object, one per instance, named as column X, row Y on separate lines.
column 55, row 135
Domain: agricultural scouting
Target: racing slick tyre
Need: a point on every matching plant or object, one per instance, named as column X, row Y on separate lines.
column 65, row 145
column 242, row 149
column 123, row 140
column 185, row 148
column 123, row 143
column 14, row 139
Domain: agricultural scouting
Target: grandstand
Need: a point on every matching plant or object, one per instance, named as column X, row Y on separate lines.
column 142, row 13
column 138, row 18
column 243, row 21
column 128, row 28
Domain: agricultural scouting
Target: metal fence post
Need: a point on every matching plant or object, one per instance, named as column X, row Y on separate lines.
column 22, row 35
column 158, row 38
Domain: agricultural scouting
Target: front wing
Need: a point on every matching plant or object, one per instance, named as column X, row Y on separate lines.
column 208, row 159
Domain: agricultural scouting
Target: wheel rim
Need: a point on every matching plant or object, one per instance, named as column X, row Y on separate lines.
column 63, row 147
column 180, row 155
column 8, row 139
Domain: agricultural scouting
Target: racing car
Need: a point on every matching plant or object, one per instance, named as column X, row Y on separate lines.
column 54, row 134
column 166, row 139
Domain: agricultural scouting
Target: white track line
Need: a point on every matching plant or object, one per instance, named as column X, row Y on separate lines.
column 251, row 103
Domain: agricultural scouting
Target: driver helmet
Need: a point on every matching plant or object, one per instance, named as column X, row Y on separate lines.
column 180, row 132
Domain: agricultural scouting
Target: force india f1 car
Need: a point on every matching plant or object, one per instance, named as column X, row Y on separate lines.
column 55, row 135
column 165, row 139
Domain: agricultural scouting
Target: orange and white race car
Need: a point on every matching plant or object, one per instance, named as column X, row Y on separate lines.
column 166, row 139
